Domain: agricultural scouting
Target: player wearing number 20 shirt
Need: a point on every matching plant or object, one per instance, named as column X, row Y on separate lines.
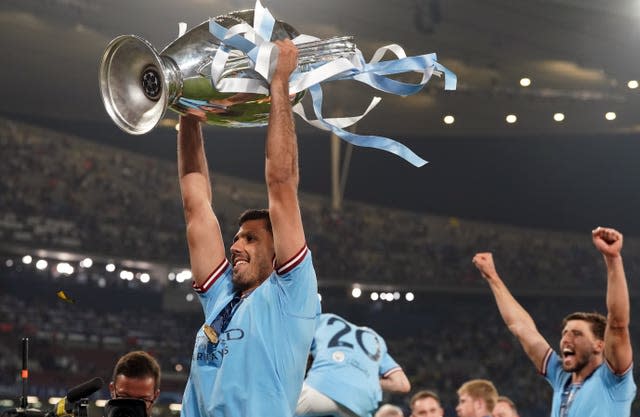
column 351, row 366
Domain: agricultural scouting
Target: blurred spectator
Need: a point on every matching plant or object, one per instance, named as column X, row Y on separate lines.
column 505, row 408
column 389, row 410
column 426, row 404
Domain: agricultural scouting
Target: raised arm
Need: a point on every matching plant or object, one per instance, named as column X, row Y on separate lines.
column 281, row 166
column 396, row 381
column 206, row 249
column 517, row 319
column 617, row 351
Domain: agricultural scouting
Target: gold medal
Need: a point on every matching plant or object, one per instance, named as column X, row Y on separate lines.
column 211, row 334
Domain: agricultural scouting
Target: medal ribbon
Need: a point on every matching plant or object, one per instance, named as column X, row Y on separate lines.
column 220, row 323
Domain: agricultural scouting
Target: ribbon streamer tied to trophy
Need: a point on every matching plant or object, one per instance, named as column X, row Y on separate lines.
column 219, row 71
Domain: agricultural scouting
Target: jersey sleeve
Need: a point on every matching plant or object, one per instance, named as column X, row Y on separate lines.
column 217, row 283
column 298, row 286
column 621, row 387
column 387, row 364
column 552, row 369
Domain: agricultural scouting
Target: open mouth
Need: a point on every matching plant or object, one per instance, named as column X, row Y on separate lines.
column 568, row 353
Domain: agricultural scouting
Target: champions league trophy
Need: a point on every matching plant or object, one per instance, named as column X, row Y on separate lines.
column 219, row 71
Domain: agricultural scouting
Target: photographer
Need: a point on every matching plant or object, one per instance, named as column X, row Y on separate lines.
column 136, row 375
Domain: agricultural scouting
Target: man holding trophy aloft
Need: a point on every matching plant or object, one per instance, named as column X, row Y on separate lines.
column 260, row 310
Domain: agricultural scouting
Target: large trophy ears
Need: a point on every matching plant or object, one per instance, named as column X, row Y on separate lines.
column 133, row 84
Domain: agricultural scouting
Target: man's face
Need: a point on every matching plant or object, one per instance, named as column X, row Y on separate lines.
column 140, row 388
column 578, row 345
column 503, row 409
column 465, row 407
column 426, row 407
column 251, row 255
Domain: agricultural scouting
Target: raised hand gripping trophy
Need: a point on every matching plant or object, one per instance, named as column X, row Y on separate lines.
column 220, row 72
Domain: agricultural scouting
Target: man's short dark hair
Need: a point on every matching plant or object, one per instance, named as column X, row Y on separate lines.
column 138, row 364
column 424, row 394
column 598, row 322
column 256, row 214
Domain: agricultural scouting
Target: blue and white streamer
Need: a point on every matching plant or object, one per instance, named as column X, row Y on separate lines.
column 254, row 41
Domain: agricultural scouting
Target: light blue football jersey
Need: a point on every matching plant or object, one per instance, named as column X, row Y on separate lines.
column 257, row 367
column 602, row 394
column 348, row 361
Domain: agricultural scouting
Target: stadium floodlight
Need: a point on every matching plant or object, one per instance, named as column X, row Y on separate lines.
column 409, row 296
column 356, row 292
column 27, row 259
column 184, row 275
column 64, row 268
column 42, row 264
column 374, row 296
column 86, row 263
column 110, row 267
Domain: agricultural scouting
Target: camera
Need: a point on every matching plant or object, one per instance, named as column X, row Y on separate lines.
column 125, row 407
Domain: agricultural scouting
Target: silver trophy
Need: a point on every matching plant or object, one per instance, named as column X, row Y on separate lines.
column 138, row 84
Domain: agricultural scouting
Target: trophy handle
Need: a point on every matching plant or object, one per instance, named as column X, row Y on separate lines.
column 137, row 84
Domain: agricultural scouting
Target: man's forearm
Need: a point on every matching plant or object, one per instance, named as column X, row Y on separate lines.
column 191, row 155
column 281, row 148
column 617, row 293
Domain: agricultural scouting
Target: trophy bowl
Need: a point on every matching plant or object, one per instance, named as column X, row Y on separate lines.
column 138, row 84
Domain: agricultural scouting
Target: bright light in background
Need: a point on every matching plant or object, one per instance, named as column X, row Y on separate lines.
column 183, row 275
column 42, row 264
column 319, row 296
column 175, row 407
column 126, row 275
column 64, row 268
column 86, row 263
column 26, row 259
column 102, row 282
column 396, row 295
column 449, row 119
column 511, row 118
column 558, row 117
column 178, row 367
column 525, row 82
column 189, row 297
column 9, row 264
column 144, row 277
column 633, row 84
column 178, row 127
column 110, row 267
column 101, row 403
column 409, row 296
column 374, row 296
column 54, row 400
column 610, row 115
column 356, row 292
column 32, row 399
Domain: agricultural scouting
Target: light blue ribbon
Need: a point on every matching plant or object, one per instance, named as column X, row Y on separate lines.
column 373, row 74
column 369, row 141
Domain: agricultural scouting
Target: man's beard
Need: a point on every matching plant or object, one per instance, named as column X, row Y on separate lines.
column 581, row 362
column 240, row 283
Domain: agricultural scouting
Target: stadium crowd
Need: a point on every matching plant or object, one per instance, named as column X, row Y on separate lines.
column 113, row 202
column 63, row 193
